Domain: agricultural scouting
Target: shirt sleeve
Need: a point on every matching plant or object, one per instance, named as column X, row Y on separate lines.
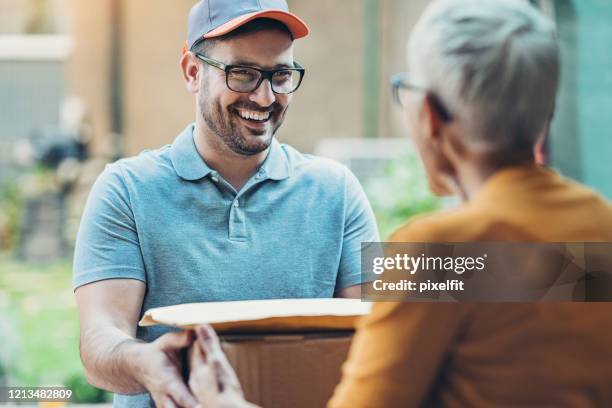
column 107, row 245
column 396, row 354
column 359, row 226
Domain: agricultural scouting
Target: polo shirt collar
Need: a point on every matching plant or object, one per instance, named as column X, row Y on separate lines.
column 186, row 160
column 190, row 166
column 276, row 166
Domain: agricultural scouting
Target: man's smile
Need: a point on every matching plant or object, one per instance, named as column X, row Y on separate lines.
column 253, row 119
column 253, row 115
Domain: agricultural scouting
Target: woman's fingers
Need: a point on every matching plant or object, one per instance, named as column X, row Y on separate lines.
column 204, row 384
column 210, row 344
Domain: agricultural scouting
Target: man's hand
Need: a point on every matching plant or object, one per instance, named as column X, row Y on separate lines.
column 212, row 379
column 159, row 370
column 114, row 359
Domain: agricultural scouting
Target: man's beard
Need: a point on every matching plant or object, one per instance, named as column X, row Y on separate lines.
column 223, row 123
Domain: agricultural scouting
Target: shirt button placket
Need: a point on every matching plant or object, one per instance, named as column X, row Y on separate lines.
column 237, row 222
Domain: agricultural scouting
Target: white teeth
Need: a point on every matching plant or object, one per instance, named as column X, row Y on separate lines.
column 254, row 115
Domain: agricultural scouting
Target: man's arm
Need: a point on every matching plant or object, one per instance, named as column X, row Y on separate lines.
column 110, row 281
column 114, row 359
column 359, row 227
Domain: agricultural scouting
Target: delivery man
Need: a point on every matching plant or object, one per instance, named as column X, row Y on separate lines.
column 224, row 213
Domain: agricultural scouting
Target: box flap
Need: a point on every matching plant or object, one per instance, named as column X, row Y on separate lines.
column 262, row 315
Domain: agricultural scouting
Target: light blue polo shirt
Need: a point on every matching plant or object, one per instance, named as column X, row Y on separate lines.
column 167, row 219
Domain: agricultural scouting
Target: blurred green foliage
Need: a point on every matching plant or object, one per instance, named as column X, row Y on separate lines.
column 400, row 192
column 40, row 21
column 13, row 196
column 11, row 206
column 82, row 392
column 39, row 326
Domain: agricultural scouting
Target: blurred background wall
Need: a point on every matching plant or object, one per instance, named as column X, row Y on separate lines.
column 123, row 63
column 581, row 144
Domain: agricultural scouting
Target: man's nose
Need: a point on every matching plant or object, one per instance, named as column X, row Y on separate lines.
column 263, row 95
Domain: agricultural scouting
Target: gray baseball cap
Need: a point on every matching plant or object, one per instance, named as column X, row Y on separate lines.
column 214, row 18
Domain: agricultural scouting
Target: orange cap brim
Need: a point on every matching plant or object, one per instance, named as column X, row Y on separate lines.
column 296, row 25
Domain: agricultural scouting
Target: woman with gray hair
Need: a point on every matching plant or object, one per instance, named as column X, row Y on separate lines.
column 479, row 96
column 486, row 73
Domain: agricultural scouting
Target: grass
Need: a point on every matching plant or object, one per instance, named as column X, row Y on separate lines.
column 38, row 323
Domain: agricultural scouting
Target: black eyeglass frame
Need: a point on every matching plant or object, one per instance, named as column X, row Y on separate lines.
column 401, row 81
column 265, row 73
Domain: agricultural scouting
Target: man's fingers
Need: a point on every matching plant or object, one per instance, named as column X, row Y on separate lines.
column 175, row 340
column 181, row 395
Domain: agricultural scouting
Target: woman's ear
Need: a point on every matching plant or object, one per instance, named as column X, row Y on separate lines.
column 540, row 150
column 190, row 67
column 436, row 116
column 437, row 132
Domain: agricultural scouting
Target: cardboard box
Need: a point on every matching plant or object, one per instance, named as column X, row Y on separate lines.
column 286, row 353
column 289, row 371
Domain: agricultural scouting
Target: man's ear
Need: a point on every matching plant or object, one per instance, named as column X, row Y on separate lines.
column 190, row 68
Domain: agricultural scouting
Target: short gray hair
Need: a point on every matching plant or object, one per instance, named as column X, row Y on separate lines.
column 493, row 63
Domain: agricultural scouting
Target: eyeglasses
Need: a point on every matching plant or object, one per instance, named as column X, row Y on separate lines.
column 245, row 79
column 400, row 83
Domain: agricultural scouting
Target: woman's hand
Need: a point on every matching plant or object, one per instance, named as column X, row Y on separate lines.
column 212, row 380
